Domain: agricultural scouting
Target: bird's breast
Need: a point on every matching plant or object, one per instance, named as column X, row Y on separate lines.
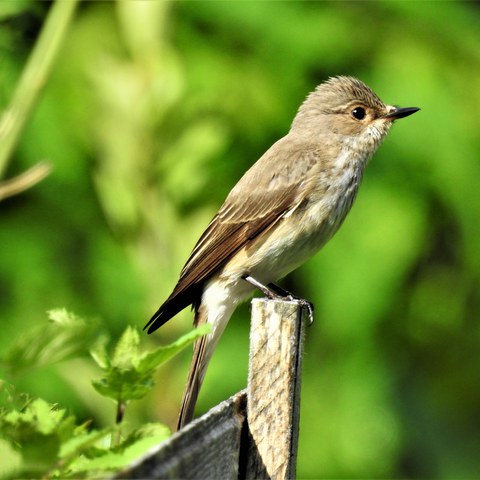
column 304, row 228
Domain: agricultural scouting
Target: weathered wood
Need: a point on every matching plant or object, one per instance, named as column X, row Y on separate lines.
column 273, row 393
column 207, row 448
column 254, row 434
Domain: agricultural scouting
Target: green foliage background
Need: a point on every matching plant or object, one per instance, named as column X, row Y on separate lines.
column 151, row 114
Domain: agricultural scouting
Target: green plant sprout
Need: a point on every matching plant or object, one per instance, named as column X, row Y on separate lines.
column 128, row 374
column 41, row 440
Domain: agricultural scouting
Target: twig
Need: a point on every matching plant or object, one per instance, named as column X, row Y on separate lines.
column 34, row 77
column 117, row 434
column 25, row 180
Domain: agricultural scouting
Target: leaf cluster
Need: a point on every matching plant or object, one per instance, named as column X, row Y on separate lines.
column 41, row 440
column 128, row 373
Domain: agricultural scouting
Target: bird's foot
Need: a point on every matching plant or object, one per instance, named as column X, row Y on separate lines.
column 273, row 291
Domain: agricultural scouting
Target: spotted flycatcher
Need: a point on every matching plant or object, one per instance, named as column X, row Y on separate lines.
column 282, row 211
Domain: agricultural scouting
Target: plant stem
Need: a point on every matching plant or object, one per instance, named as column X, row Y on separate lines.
column 24, row 181
column 116, row 436
column 120, row 412
column 34, row 77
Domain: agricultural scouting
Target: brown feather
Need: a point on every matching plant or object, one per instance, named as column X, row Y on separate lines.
column 240, row 220
column 194, row 380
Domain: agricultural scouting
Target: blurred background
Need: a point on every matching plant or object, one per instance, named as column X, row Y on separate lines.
column 153, row 111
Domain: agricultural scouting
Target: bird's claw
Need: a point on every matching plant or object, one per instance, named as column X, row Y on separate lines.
column 273, row 291
column 304, row 304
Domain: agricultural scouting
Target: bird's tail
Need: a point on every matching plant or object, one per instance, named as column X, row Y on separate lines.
column 216, row 307
column 202, row 352
column 192, row 387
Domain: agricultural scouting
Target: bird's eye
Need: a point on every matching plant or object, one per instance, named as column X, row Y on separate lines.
column 359, row 113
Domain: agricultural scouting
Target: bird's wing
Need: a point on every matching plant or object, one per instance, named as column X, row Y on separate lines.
column 256, row 204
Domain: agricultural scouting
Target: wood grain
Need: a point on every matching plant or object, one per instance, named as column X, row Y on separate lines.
column 273, row 393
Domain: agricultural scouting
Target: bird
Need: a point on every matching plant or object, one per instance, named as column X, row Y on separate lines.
column 284, row 209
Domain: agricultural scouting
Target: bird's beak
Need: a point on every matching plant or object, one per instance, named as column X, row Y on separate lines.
column 397, row 113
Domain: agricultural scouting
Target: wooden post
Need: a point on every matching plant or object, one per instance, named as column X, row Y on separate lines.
column 273, row 392
column 207, row 448
column 234, row 442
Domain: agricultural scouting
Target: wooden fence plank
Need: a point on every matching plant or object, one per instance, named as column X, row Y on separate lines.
column 207, row 448
column 254, row 434
column 273, row 393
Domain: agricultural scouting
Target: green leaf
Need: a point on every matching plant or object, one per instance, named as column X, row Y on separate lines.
column 40, row 440
column 123, row 386
column 126, row 351
column 38, row 416
column 152, row 360
column 129, row 375
column 11, row 460
column 37, row 433
column 64, row 337
column 83, row 440
column 159, row 431
column 134, row 446
column 99, row 352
